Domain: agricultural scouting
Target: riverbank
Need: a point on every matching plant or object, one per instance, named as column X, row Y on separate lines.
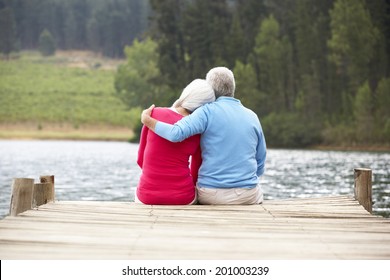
column 64, row 132
column 31, row 131
column 360, row 148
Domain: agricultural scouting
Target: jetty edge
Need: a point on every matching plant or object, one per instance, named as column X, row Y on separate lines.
column 26, row 193
column 332, row 227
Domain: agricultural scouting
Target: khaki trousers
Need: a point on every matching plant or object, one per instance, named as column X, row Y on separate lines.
column 240, row 196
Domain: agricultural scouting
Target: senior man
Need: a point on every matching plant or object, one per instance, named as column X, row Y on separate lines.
column 232, row 143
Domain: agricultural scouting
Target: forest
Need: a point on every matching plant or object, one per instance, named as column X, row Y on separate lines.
column 315, row 72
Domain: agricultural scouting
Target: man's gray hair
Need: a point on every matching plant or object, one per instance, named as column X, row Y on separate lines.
column 222, row 81
column 195, row 94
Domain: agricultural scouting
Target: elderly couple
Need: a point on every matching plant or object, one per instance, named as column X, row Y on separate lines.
column 207, row 148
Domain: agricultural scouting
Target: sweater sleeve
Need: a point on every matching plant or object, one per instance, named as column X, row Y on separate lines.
column 261, row 152
column 142, row 145
column 195, row 123
column 196, row 161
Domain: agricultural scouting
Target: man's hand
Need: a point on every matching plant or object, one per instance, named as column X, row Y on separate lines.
column 146, row 113
column 147, row 120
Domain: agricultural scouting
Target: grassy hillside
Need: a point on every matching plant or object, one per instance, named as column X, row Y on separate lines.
column 71, row 91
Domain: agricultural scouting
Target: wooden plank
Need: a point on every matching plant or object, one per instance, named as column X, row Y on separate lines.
column 318, row 228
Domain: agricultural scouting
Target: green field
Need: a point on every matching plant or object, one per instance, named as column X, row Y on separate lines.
column 74, row 91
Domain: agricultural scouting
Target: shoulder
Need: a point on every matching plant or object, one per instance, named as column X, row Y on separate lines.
column 165, row 114
column 160, row 110
column 252, row 116
column 250, row 112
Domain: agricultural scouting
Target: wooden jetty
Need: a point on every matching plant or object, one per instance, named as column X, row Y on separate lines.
column 335, row 227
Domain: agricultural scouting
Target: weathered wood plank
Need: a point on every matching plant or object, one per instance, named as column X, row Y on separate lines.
column 319, row 228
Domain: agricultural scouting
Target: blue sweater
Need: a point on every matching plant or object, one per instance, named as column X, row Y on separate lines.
column 232, row 142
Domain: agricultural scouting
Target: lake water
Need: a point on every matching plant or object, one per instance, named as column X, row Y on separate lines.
column 108, row 171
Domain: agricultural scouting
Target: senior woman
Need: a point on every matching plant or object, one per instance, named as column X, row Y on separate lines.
column 167, row 175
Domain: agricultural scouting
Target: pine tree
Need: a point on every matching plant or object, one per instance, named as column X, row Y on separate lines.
column 235, row 43
column 7, row 30
column 250, row 13
column 206, row 29
column 311, row 31
column 363, row 114
column 382, row 103
column 46, row 43
column 353, row 40
column 273, row 56
column 168, row 33
column 246, row 87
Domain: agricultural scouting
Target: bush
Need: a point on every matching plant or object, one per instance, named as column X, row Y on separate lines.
column 290, row 130
column 46, row 43
column 137, row 133
column 342, row 133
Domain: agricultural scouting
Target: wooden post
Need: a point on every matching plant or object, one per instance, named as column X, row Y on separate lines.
column 363, row 187
column 21, row 197
column 48, row 179
column 43, row 193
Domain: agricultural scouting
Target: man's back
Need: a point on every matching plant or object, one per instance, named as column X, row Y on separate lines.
column 232, row 144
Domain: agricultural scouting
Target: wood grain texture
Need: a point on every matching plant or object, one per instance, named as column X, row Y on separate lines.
column 311, row 228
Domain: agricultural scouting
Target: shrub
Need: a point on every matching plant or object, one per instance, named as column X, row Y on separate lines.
column 290, row 130
column 46, row 43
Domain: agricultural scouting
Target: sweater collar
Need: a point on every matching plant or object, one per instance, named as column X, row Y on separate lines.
column 227, row 98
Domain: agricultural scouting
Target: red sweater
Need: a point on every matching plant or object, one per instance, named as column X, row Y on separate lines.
column 167, row 177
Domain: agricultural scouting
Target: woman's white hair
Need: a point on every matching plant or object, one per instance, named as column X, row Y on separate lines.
column 195, row 94
column 222, row 81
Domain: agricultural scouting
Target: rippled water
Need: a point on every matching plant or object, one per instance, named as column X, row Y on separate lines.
column 108, row 171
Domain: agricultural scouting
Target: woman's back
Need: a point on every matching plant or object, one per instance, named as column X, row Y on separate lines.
column 166, row 177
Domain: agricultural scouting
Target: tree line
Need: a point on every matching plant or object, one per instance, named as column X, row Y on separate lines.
column 314, row 71
column 104, row 26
